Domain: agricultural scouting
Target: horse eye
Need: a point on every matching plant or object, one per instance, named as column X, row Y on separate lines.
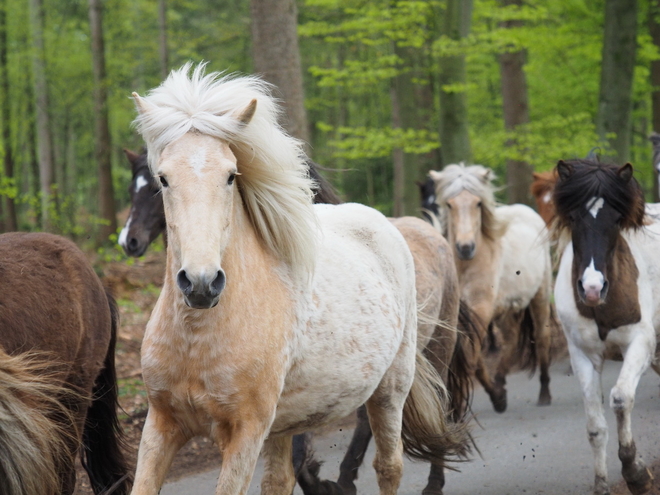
column 230, row 181
column 163, row 181
column 479, row 204
column 448, row 206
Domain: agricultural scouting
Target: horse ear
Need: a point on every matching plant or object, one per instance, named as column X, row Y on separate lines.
column 564, row 170
column 133, row 158
column 435, row 176
column 245, row 115
column 487, row 176
column 625, row 172
column 536, row 176
column 141, row 104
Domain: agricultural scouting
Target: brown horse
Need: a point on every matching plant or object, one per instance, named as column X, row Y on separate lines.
column 542, row 188
column 58, row 392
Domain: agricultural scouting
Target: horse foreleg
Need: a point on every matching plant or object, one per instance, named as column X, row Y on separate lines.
column 540, row 312
column 279, row 477
column 161, row 440
column 622, row 399
column 496, row 391
column 348, row 471
column 589, row 376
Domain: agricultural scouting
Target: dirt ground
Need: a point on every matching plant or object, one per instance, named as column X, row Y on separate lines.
column 136, row 286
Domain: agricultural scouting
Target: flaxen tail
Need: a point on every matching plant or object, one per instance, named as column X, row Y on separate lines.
column 36, row 429
column 428, row 432
column 103, row 439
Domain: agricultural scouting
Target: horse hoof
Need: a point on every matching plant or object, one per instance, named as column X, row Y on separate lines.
column 544, row 401
column 643, row 484
column 601, row 487
column 499, row 401
column 432, row 491
column 346, row 488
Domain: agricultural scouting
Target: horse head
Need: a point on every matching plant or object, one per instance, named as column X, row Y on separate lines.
column 146, row 218
column 596, row 202
column 466, row 201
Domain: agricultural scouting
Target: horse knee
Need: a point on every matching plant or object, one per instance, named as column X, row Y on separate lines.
column 620, row 400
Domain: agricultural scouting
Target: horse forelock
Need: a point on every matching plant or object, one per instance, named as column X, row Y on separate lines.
column 274, row 181
column 477, row 180
column 592, row 179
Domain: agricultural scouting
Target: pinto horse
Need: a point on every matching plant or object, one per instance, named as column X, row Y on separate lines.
column 607, row 296
column 261, row 289
column 436, row 284
column 504, row 270
column 58, row 391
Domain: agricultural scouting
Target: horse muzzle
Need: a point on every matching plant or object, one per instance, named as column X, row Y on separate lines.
column 592, row 294
column 201, row 291
column 466, row 250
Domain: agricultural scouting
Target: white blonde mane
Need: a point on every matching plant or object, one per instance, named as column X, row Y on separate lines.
column 477, row 180
column 274, row 181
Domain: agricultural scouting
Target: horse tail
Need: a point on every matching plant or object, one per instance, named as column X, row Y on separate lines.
column 427, row 433
column 459, row 382
column 36, row 428
column 527, row 343
column 103, row 439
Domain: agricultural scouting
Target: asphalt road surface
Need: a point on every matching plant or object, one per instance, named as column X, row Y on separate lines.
column 526, row 450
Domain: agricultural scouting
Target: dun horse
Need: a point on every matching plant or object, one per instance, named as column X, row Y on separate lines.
column 607, row 296
column 261, row 289
column 504, row 270
column 436, row 284
column 58, row 392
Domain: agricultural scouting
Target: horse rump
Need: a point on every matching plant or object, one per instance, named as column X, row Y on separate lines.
column 103, row 438
column 427, row 433
column 36, row 428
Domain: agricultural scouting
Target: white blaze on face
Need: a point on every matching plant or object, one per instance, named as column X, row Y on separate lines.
column 124, row 233
column 594, row 205
column 547, row 197
column 140, row 182
column 592, row 282
column 198, row 161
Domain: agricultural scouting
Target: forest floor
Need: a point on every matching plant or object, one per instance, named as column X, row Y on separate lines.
column 136, row 286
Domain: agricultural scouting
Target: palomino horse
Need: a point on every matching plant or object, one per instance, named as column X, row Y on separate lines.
column 58, row 392
column 541, row 189
column 607, row 296
column 503, row 262
column 436, row 284
column 261, row 289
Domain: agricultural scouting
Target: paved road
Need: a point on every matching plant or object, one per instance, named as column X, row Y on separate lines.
column 527, row 449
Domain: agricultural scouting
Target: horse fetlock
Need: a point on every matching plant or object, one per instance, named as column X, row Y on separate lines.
column 347, row 487
column 600, row 486
column 638, row 478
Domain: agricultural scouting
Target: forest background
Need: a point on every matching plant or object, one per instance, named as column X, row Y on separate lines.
column 381, row 90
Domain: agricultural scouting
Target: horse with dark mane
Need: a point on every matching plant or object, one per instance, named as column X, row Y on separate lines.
column 58, row 391
column 607, row 295
column 436, row 291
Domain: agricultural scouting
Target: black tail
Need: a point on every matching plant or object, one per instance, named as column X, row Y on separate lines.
column 527, row 343
column 103, row 439
column 459, row 381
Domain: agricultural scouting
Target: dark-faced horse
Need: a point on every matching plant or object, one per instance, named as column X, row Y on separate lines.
column 58, row 392
column 607, row 295
column 436, row 283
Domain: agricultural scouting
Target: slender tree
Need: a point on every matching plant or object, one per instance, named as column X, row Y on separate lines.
column 45, row 153
column 613, row 119
column 102, row 131
column 10, row 220
column 515, row 107
column 162, row 39
column 277, row 57
column 654, row 29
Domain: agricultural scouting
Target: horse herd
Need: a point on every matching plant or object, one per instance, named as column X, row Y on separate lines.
column 284, row 310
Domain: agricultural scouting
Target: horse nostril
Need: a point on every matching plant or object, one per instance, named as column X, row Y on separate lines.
column 132, row 244
column 605, row 286
column 184, row 283
column 218, row 283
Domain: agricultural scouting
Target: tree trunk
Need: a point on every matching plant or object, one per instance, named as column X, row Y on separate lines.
column 654, row 29
column 45, row 153
column 616, row 81
column 516, row 112
column 162, row 39
column 102, row 131
column 397, row 155
column 277, row 58
column 10, row 219
column 454, row 136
